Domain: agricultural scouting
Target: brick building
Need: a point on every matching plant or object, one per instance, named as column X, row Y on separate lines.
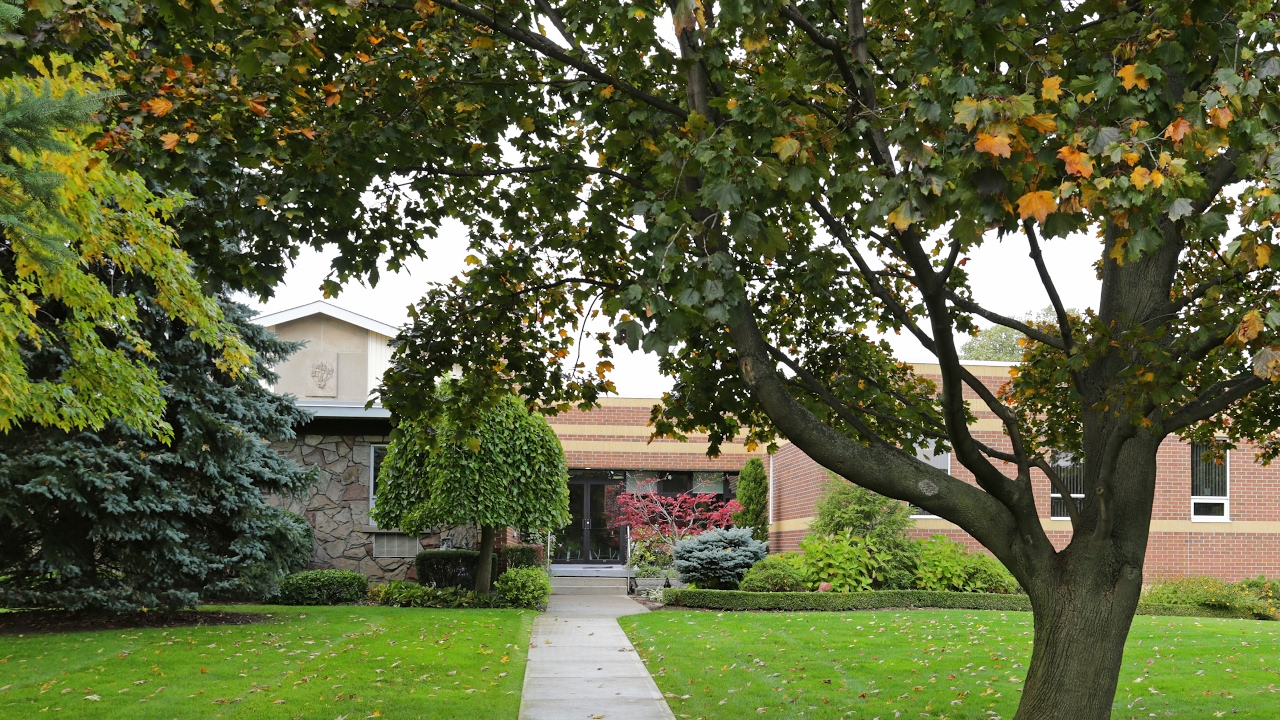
column 1230, row 527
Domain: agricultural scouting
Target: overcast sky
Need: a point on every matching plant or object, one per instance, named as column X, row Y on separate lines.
column 1003, row 277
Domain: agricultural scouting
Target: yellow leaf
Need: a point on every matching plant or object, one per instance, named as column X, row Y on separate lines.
column 1140, row 177
column 1157, row 178
column 1087, row 98
column 1131, row 158
column 526, row 124
column 1078, row 163
column 997, row 145
column 192, row 137
column 472, row 260
column 262, row 200
column 1051, row 89
column 1250, row 327
column 733, row 103
column 169, row 140
column 482, row 42
column 900, row 218
column 967, row 113
column 1178, row 129
column 1038, row 204
column 755, row 42
column 785, row 147
column 1264, row 255
column 1221, row 117
column 1043, row 122
column 1129, row 76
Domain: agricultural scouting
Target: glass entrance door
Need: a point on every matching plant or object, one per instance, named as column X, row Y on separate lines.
column 588, row 537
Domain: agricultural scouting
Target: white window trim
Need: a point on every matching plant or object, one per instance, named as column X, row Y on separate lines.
column 1054, row 494
column 1225, row 500
column 373, row 449
column 927, row 516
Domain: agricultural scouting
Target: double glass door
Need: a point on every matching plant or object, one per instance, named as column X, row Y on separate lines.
column 588, row 537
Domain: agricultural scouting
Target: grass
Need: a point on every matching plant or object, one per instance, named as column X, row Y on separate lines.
column 314, row 662
column 954, row 664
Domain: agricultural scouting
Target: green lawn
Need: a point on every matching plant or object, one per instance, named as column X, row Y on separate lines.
column 315, row 662
column 938, row 664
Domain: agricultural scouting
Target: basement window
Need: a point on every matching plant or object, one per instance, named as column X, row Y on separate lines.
column 1210, row 485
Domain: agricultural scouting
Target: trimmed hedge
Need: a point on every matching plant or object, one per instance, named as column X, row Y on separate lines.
column 450, row 568
column 873, row 600
column 518, row 556
column 882, row 599
column 323, row 587
column 402, row 593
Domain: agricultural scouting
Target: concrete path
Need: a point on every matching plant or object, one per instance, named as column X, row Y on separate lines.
column 582, row 666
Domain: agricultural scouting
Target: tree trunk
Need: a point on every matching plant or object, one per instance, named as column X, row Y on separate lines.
column 484, row 568
column 1081, row 624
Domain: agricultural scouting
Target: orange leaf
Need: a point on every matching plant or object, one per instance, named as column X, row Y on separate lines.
column 1221, row 117
column 1038, row 204
column 1078, row 163
column 311, row 134
column 997, row 145
column 158, row 106
column 1051, row 89
column 1129, row 76
column 1043, row 122
column 1251, row 326
column 169, row 140
column 1178, row 129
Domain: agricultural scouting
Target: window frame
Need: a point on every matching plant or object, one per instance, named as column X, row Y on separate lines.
column 373, row 479
column 1053, row 493
column 1223, row 500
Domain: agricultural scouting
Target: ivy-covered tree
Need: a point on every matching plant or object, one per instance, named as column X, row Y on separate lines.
column 753, row 495
column 508, row 470
column 117, row 519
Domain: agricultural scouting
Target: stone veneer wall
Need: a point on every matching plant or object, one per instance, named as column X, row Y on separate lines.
column 337, row 507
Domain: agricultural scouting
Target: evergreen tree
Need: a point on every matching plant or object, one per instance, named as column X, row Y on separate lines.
column 116, row 519
column 753, row 494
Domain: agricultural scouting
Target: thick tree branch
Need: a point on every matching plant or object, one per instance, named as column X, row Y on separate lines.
column 554, row 16
column 1055, row 480
column 545, row 46
column 1216, row 177
column 1038, row 335
column 1064, row 322
column 1214, row 400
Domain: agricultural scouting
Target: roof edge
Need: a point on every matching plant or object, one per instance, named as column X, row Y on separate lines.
column 320, row 307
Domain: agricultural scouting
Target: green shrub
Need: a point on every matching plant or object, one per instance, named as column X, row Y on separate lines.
column 519, row 556
column 526, row 587
column 449, row 568
column 402, row 593
column 881, row 599
column 650, row 559
column 883, row 522
column 946, row 565
column 847, row 561
column 1266, row 590
column 773, row 574
column 323, row 587
column 717, row 558
column 1211, row 593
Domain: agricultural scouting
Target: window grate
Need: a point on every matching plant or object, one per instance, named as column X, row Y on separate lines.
column 395, row 545
column 1208, row 475
column 1070, row 471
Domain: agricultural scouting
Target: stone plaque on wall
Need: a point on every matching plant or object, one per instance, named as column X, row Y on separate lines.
column 321, row 370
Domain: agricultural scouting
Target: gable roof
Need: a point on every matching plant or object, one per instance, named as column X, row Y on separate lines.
column 321, row 307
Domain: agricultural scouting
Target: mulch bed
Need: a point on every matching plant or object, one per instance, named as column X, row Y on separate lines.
column 32, row 622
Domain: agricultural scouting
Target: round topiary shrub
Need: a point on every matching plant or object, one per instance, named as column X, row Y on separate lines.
column 773, row 574
column 717, row 559
column 526, row 587
column 323, row 587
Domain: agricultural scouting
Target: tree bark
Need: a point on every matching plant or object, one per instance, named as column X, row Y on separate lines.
column 1081, row 624
column 484, row 567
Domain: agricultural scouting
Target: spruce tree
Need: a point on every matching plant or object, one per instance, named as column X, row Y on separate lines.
column 116, row 519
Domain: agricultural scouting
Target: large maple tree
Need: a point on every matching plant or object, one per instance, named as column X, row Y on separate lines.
column 755, row 190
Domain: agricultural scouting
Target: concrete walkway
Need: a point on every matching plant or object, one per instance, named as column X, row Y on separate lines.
column 582, row 666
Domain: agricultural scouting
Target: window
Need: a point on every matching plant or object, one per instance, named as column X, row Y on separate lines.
column 1209, row 485
column 942, row 461
column 1070, row 471
column 376, row 455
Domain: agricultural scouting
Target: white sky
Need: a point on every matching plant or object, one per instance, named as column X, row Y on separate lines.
column 1002, row 275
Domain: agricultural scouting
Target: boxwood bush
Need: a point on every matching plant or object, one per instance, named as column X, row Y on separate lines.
column 519, row 556
column 323, row 587
column 526, row 587
column 775, row 573
column 449, row 568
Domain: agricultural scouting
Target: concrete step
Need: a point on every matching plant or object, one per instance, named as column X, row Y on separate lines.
column 588, row 586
